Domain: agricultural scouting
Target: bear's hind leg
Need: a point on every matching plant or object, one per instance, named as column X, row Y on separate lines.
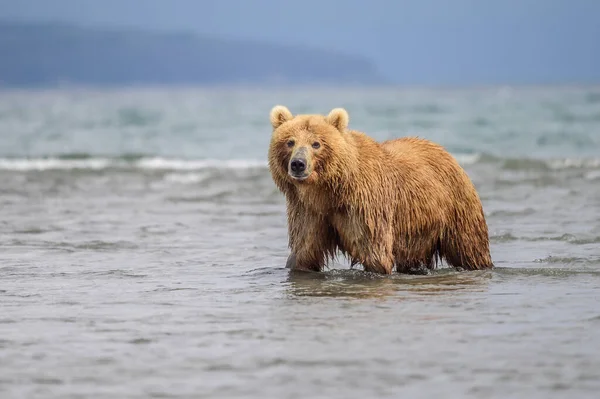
column 467, row 249
column 378, row 254
column 420, row 259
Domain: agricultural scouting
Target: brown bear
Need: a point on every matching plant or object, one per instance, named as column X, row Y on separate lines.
column 403, row 203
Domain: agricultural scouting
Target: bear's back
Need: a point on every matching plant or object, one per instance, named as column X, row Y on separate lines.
column 422, row 154
column 427, row 167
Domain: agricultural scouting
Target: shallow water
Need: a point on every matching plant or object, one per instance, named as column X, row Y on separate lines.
column 143, row 244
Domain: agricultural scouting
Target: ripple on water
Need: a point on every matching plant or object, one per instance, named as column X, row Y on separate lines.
column 92, row 245
column 569, row 260
column 346, row 283
column 113, row 273
column 546, row 272
column 566, row 237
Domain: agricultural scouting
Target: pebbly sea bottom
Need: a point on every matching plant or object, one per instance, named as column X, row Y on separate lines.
column 143, row 245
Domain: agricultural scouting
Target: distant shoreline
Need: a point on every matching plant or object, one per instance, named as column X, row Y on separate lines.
column 46, row 54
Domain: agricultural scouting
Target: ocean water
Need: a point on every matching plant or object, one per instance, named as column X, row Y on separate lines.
column 143, row 245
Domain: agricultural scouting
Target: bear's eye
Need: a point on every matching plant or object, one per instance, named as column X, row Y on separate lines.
column 316, row 145
column 290, row 143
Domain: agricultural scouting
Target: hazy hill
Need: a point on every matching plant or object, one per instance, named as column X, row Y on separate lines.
column 43, row 54
column 412, row 42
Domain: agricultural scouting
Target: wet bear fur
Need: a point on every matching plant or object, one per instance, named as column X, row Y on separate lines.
column 402, row 204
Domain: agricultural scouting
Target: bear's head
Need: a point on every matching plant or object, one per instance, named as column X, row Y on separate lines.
column 306, row 149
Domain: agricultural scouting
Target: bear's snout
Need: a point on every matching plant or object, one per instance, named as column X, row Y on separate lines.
column 298, row 166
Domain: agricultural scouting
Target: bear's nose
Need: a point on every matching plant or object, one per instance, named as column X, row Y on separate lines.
column 298, row 165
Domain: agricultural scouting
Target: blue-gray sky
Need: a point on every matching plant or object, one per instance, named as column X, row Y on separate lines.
column 412, row 41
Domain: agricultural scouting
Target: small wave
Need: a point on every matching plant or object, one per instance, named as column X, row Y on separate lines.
column 594, row 175
column 24, row 165
column 467, row 159
column 174, row 164
column 570, row 238
column 568, row 163
column 545, row 271
column 141, row 163
column 504, row 213
column 90, row 162
column 501, row 238
column 567, row 260
column 528, row 163
column 517, row 164
column 185, row 178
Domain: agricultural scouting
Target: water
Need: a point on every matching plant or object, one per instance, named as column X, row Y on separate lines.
column 143, row 244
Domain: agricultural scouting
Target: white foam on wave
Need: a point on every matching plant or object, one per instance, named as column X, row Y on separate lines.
column 593, row 175
column 185, row 177
column 24, row 165
column 154, row 163
column 177, row 164
column 467, row 159
column 173, row 164
column 569, row 163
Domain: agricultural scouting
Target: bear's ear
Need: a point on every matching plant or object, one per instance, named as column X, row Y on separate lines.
column 338, row 117
column 280, row 115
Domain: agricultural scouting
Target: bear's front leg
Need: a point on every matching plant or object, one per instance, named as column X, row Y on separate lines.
column 311, row 251
column 312, row 241
column 306, row 262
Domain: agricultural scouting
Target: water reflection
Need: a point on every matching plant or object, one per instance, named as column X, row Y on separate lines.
column 359, row 284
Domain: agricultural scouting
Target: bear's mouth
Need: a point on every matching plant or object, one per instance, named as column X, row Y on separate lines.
column 299, row 177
